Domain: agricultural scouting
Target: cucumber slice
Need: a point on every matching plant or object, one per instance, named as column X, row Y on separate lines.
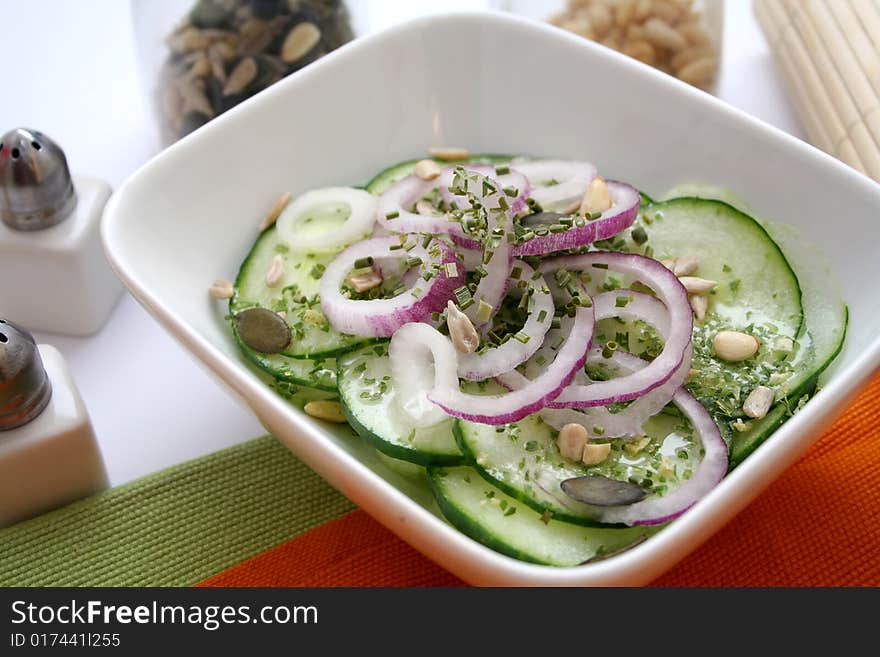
column 319, row 374
column 384, row 179
column 297, row 295
column 503, row 523
column 825, row 331
column 522, row 460
column 644, row 199
column 368, row 401
column 757, row 293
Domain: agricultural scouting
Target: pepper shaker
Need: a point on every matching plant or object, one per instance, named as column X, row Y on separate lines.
column 53, row 273
column 48, row 452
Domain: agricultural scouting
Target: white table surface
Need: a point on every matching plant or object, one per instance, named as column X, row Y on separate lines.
column 70, row 69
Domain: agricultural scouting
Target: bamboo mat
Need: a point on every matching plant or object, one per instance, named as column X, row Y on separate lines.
column 829, row 55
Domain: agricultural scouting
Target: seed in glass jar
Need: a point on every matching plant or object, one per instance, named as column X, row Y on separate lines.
column 194, row 98
column 241, row 77
column 201, row 66
column 695, row 34
column 299, row 41
column 641, row 50
column 192, row 121
column 209, row 13
column 688, row 55
column 255, row 35
column 659, row 32
column 671, row 12
column 262, row 330
column 600, row 18
column 187, row 40
column 222, row 51
column 698, row 72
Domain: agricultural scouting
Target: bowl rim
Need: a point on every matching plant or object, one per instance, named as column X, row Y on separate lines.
column 417, row 525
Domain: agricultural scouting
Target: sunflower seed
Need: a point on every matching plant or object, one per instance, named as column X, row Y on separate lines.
column 299, row 41
column 325, row 409
column 241, row 77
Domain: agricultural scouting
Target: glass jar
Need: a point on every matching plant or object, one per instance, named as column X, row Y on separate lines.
column 203, row 57
column 680, row 37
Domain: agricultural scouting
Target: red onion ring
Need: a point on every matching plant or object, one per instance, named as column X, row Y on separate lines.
column 620, row 216
column 669, row 290
column 656, row 510
column 382, row 317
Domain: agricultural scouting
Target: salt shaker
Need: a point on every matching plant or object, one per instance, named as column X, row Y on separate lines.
column 53, row 273
column 48, row 452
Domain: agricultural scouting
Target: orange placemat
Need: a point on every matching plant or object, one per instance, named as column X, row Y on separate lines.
column 818, row 525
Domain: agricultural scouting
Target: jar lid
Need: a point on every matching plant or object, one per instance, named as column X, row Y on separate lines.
column 25, row 388
column 36, row 190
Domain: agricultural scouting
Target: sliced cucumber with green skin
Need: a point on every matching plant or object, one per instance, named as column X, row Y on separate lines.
column 758, row 293
column 826, row 344
column 319, row 374
column 489, row 516
column 384, row 179
column 644, row 199
column 523, row 460
column 369, row 403
column 312, row 336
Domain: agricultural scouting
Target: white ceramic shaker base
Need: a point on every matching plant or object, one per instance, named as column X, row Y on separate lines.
column 58, row 280
column 54, row 459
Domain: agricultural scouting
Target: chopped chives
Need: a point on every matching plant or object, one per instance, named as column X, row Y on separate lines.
column 484, row 311
column 451, row 269
column 413, row 261
column 621, row 302
column 426, row 240
column 522, row 337
column 394, row 214
column 600, row 265
column 511, row 191
column 542, row 315
column 360, row 263
column 502, row 170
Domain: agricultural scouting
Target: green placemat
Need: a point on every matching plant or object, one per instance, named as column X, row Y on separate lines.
column 175, row 527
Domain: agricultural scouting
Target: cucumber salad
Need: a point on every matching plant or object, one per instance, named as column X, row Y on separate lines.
column 567, row 363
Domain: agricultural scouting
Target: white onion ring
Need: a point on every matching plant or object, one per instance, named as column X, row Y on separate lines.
column 404, row 193
column 421, row 359
column 515, row 405
column 382, row 317
column 670, row 291
column 503, row 358
column 359, row 224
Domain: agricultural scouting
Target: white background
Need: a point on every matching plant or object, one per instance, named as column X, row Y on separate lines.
column 71, row 69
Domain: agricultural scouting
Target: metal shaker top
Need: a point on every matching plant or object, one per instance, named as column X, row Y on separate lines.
column 36, row 190
column 25, row 388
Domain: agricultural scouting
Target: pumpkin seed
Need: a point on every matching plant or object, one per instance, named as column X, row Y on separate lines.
column 262, row 330
column 600, row 490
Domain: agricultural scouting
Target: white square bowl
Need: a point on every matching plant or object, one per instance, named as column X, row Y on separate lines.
column 493, row 83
